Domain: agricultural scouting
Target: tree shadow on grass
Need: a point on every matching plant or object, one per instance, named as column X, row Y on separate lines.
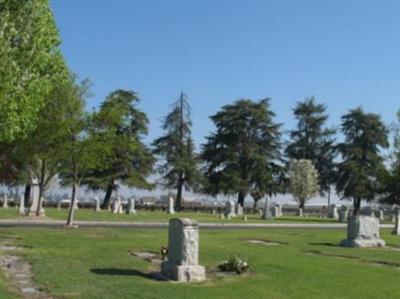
column 323, row 244
column 128, row 272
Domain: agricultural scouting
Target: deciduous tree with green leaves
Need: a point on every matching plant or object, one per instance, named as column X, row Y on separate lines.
column 313, row 140
column 303, row 180
column 178, row 162
column 242, row 157
column 121, row 127
column 29, row 62
column 361, row 170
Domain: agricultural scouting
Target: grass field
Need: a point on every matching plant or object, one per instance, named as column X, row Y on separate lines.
column 158, row 216
column 96, row 263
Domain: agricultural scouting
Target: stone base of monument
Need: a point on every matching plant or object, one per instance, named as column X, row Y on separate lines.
column 183, row 273
column 363, row 231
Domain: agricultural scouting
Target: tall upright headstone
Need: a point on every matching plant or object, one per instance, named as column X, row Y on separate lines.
column 117, row 206
column 280, row 211
column 131, row 206
column 343, row 213
column 396, row 230
column 183, row 252
column 22, row 210
column 333, row 212
column 171, row 209
column 35, row 199
column 230, row 209
column 381, row 215
column 239, row 210
column 5, row 201
column 266, row 212
column 300, row 212
column 363, row 231
column 97, row 204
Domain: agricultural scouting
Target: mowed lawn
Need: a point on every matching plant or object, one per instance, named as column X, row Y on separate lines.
column 159, row 216
column 96, row 263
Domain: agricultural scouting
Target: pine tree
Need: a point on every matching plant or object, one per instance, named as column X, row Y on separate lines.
column 313, row 141
column 179, row 166
column 361, row 169
column 120, row 126
column 242, row 156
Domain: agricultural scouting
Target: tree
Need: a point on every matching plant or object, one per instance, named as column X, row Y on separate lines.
column 243, row 155
column 312, row 140
column 82, row 153
column 121, row 127
column 303, row 178
column 361, row 169
column 179, row 166
column 29, row 62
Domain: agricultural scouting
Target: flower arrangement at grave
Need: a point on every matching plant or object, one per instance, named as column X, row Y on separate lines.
column 234, row 264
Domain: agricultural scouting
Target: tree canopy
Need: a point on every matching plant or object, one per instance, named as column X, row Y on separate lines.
column 30, row 61
column 243, row 155
column 361, row 169
column 313, row 140
column 179, row 164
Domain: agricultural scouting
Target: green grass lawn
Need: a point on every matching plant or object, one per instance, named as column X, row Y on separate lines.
column 95, row 263
column 158, row 216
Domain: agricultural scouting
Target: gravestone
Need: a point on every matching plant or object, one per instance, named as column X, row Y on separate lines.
column 381, row 215
column 171, row 209
column 275, row 211
column 59, row 204
column 343, row 214
column 222, row 216
column 280, row 212
column 363, row 231
column 117, row 206
column 267, row 214
column 183, row 252
column 35, row 199
column 333, row 212
column 97, row 204
column 396, row 230
column 300, row 212
column 5, row 201
column 22, row 210
column 239, row 210
column 131, row 206
column 230, row 209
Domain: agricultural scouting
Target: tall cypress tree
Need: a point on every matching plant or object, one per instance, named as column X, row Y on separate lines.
column 242, row 155
column 313, row 140
column 179, row 164
column 361, row 169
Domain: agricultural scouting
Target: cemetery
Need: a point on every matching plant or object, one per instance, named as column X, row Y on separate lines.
column 199, row 149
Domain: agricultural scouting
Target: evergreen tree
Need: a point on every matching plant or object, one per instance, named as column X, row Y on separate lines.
column 312, row 140
column 242, row 156
column 121, row 127
column 361, row 169
column 179, row 163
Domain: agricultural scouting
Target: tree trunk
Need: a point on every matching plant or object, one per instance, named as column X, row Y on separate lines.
column 357, row 205
column 241, row 197
column 107, row 198
column 178, row 204
column 255, row 206
column 302, row 203
column 41, row 187
column 27, row 195
column 329, row 197
column 71, row 212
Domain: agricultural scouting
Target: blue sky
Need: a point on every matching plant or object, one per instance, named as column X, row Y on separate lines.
column 345, row 53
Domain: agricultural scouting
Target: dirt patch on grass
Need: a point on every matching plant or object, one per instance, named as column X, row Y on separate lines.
column 265, row 242
column 18, row 272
